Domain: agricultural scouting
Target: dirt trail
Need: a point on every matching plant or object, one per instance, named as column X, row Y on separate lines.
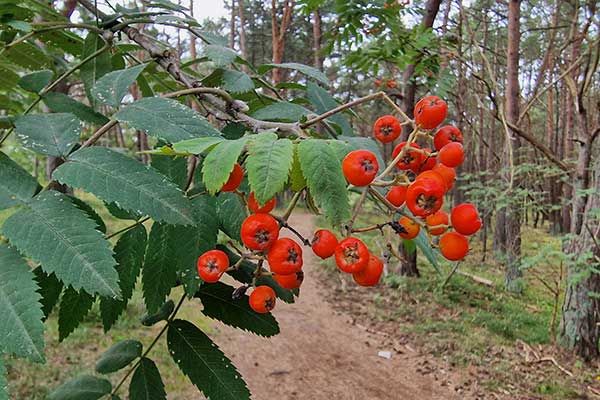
column 319, row 354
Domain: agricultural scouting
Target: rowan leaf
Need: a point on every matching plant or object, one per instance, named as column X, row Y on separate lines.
column 17, row 186
column 74, row 307
column 118, row 356
column 218, row 164
column 167, row 119
column 83, row 387
column 218, row 304
column 146, row 383
column 129, row 254
column 204, row 363
column 268, row 164
column 97, row 67
column 325, row 180
column 112, row 87
column 51, row 134
column 114, row 177
column 21, row 330
column 55, row 233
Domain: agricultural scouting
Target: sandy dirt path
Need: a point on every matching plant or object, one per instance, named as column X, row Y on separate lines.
column 319, row 354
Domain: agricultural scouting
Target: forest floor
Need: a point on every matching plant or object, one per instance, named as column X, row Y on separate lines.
column 460, row 341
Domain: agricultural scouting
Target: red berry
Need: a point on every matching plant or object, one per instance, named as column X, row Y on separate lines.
column 259, row 231
column 452, row 154
column 410, row 226
column 465, row 219
column 446, row 134
column 447, row 173
column 454, row 246
column 351, row 255
column 360, row 167
column 425, row 196
column 391, row 84
column 432, row 175
column 430, row 111
column 371, row 274
column 438, row 218
column 256, row 208
column 397, row 195
column 387, row 129
column 410, row 160
column 324, row 243
column 285, row 257
column 428, row 161
column 211, row 265
column 290, row 281
column 235, row 178
column 262, row 299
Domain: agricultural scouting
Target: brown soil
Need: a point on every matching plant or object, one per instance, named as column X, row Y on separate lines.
column 322, row 353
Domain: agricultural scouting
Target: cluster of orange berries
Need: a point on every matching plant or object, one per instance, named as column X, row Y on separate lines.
column 434, row 176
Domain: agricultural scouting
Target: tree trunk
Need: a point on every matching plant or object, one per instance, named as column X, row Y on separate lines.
column 318, row 62
column 278, row 33
column 242, row 16
column 232, row 25
column 579, row 329
column 509, row 218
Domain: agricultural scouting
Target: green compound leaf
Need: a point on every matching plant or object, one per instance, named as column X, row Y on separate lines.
column 220, row 55
column 17, row 186
column 96, row 68
column 231, row 213
column 52, row 134
column 84, row 387
column 114, row 177
column 268, row 164
column 54, row 232
column 236, row 82
column 219, row 163
column 167, row 119
column 119, row 356
column 218, row 304
column 129, row 254
column 204, row 363
column 74, row 307
column 112, row 87
column 146, row 383
column 61, row 103
column 50, row 290
column 36, row 81
column 21, row 330
column 305, row 69
column 323, row 173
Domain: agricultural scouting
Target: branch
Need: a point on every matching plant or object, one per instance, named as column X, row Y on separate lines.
column 170, row 63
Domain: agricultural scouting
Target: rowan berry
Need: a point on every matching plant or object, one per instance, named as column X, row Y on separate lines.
column 290, row 281
column 410, row 160
column 285, row 257
column 324, row 243
column 211, row 265
column 447, row 173
column 454, row 246
column 430, row 111
column 235, row 179
column 387, row 129
column 397, row 195
column 259, row 231
column 446, row 134
column 360, row 167
column 438, row 218
column 452, row 155
column 262, row 299
column 256, row 208
column 465, row 219
column 410, row 227
column 351, row 255
column 371, row 274
column 425, row 196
